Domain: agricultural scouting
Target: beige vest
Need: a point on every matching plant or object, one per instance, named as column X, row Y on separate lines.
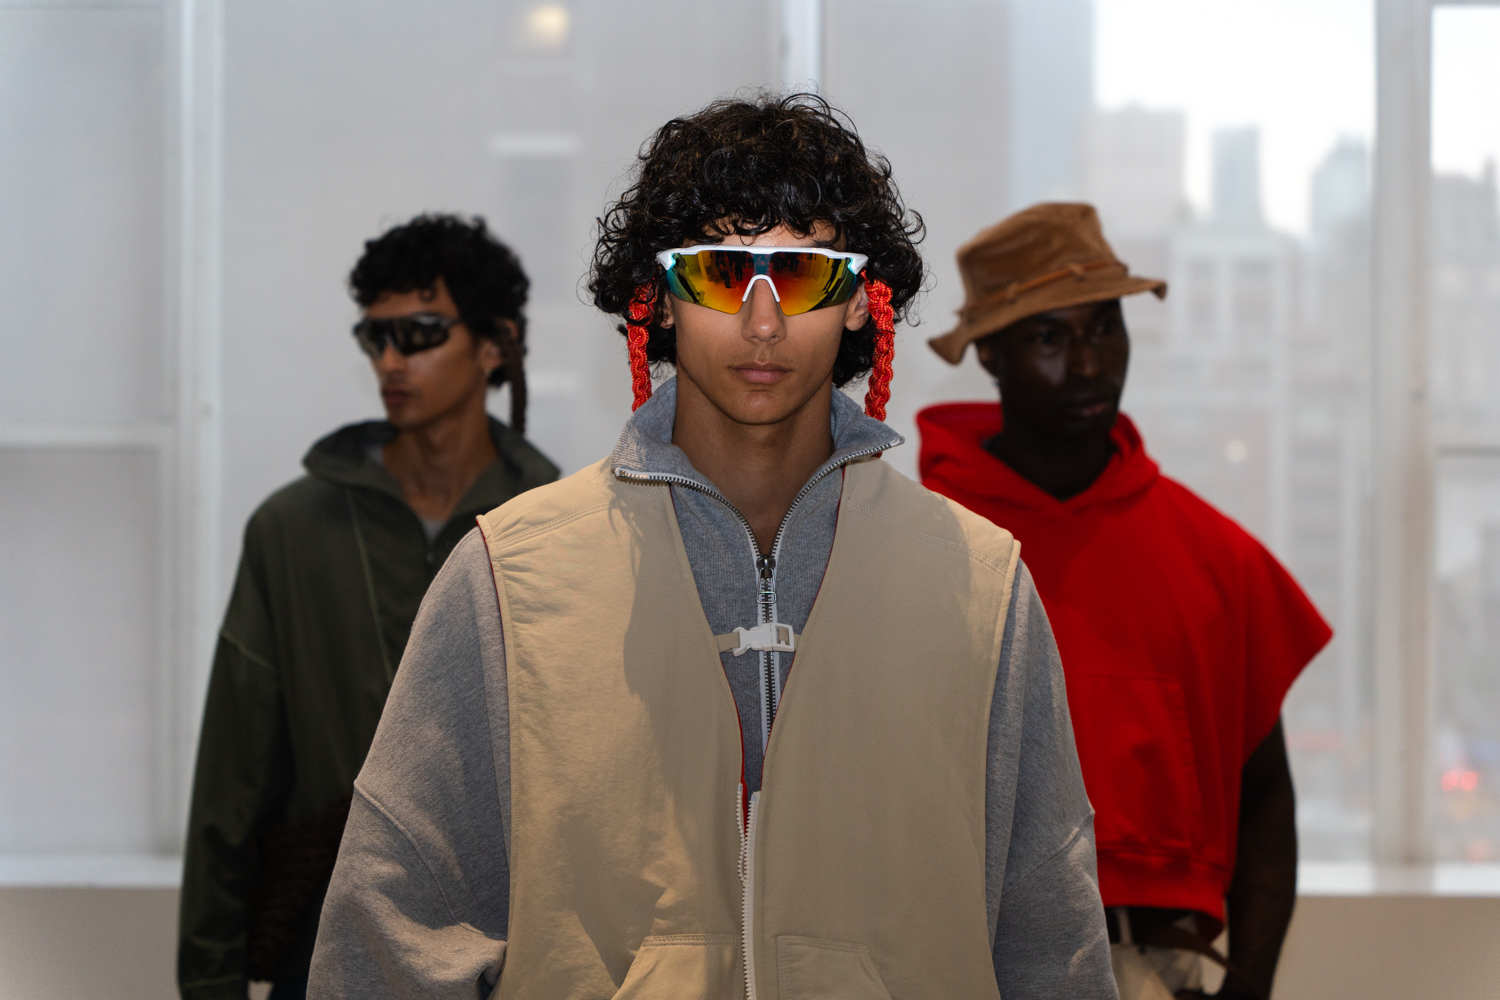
column 862, row 872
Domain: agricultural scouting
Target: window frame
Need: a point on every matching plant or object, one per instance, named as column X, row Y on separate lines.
column 1406, row 450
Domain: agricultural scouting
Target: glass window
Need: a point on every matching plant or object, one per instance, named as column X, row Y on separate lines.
column 1464, row 297
column 1248, row 191
column 526, row 112
column 1256, row 396
column 1225, row 144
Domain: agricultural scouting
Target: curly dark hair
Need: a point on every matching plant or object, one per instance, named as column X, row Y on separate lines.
column 482, row 274
column 747, row 166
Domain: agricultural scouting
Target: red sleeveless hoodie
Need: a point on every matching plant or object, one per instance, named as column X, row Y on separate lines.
column 1179, row 634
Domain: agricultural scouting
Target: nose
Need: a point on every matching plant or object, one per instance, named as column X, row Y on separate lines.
column 389, row 359
column 763, row 318
column 1083, row 357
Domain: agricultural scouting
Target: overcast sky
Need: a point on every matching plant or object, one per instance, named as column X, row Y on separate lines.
column 1466, row 88
column 1302, row 70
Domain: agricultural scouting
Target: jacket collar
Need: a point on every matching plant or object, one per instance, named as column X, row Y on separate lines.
column 645, row 449
column 346, row 458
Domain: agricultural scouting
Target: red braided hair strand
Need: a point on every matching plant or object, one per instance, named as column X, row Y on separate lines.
column 642, row 307
column 878, row 392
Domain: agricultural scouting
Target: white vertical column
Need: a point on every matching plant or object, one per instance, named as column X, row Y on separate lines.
column 198, row 474
column 801, row 46
column 1402, row 449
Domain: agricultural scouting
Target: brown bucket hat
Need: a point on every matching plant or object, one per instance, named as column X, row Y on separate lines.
column 1048, row 256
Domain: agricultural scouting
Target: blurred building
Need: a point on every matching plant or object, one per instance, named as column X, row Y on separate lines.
column 1340, row 190
column 1465, row 296
column 1131, row 170
column 1465, row 368
column 1236, row 177
column 1249, row 383
column 1468, row 710
column 1051, row 93
column 1217, row 383
column 1325, row 537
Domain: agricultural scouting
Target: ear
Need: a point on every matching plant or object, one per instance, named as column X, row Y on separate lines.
column 668, row 317
column 857, row 309
column 487, row 350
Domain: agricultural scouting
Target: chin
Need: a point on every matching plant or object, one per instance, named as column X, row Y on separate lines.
column 403, row 418
column 760, row 406
column 1087, row 428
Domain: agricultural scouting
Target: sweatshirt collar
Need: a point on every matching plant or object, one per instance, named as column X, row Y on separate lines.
column 645, row 449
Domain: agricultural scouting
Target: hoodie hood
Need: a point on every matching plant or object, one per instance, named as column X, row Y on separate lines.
column 954, row 462
column 347, row 457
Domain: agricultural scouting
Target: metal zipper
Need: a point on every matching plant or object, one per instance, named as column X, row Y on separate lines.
column 767, row 706
column 773, row 682
column 770, row 663
column 747, row 885
column 765, row 568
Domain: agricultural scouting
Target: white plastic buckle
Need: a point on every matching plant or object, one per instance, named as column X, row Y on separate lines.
column 767, row 637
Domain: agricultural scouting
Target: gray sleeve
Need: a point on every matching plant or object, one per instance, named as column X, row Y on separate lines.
column 420, row 897
column 1046, row 918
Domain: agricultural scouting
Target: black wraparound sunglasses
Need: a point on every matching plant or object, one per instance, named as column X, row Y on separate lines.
column 407, row 334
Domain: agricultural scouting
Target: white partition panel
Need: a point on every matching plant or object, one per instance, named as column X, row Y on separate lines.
column 79, row 640
column 82, row 149
column 85, row 427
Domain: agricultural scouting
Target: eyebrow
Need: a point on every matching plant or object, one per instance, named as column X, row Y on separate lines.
column 831, row 244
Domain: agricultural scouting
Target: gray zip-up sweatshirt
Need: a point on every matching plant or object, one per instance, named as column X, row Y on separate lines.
column 419, row 903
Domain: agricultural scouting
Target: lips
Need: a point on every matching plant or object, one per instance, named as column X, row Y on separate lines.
column 394, row 397
column 762, row 375
column 1089, row 406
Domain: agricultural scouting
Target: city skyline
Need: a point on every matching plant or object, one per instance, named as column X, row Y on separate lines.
column 1209, row 61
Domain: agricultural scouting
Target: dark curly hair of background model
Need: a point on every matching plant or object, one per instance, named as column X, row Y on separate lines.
column 483, row 276
column 755, row 164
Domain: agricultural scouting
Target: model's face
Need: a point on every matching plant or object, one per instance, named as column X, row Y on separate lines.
column 758, row 365
column 419, row 388
column 1061, row 372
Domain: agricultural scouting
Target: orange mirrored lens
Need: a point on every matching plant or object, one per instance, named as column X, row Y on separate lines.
column 803, row 281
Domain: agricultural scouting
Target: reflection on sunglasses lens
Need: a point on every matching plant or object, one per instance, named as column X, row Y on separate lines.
column 408, row 334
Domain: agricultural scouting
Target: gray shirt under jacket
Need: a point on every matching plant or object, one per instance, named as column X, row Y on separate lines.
column 419, row 902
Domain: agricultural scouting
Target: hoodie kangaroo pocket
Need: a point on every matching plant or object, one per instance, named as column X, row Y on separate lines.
column 818, row 969
column 683, row 967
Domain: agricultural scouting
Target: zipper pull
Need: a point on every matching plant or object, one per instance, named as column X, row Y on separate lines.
column 767, row 597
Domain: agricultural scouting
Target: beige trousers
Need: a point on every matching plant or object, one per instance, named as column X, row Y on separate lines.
column 1146, row 973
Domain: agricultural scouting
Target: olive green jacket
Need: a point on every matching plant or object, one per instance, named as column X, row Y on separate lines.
column 334, row 568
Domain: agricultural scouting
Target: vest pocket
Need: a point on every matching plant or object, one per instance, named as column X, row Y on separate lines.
column 818, row 969
column 683, row 967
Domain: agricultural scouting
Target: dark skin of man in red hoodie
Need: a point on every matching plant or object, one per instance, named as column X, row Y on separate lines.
column 1060, row 375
